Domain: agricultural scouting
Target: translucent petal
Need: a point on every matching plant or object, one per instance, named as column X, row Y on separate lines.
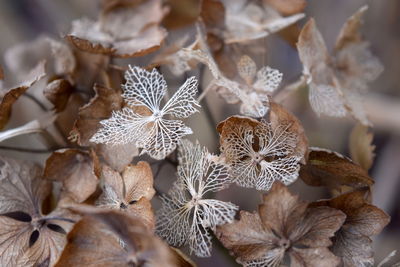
column 173, row 220
column 247, row 69
column 144, row 88
column 163, row 138
column 277, row 142
column 324, row 99
column 268, row 79
column 285, row 170
column 217, row 212
column 123, row 127
column 182, row 103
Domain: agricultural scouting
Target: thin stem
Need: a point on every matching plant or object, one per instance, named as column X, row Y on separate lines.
column 205, row 91
column 37, row 101
column 290, row 88
column 30, row 150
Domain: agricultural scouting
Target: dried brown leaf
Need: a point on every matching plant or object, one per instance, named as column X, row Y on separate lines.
column 27, row 237
column 124, row 29
column 287, row 7
column 76, row 170
column 130, row 191
column 11, row 95
column 1, row 73
column 284, row 225
column 330, row 169
column 352, row 242
column 58, row 93
column 100, row 107
column 181, row 13
column 361, row 147
column 111, row 238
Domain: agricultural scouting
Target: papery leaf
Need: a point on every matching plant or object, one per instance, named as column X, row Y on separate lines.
column 283, row 226
column 77, row 170
column 330, row 169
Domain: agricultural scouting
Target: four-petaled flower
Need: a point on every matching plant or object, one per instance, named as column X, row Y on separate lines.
column 257, row 153
column 186, row 215
column 143, row 121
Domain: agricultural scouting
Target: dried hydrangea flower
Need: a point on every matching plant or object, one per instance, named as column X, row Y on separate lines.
column 283, row 226
column 259, row 154
column 248, row 20
column 258, row 86
column 124, row 29
column 96, row 241
column 187, row 215
column 337, row 83
column 253, row 93
column 352, row 242
column 130, row 191
column 27, row 236
column 143, row 121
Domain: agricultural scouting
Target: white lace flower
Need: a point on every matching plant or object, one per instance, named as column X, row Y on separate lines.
column 144, row 122
column 253, row 94
column 186, row 215
column 259, row 155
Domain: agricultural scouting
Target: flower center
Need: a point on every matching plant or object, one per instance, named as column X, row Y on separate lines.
column 284, row 243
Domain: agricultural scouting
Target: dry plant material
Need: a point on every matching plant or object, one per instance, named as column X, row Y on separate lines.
column 337, row 83
column 101, row 106
column 283, row 226
column 58, row 93
column 361, row 147
column 253, row 88
column 27, row 236
column 260, row 153
column 111, row 238
column 287, row 7
column 143, row 122
column 76, row 169
column 187, row 215
column 8, row 97
column 124, row 29
column 130, row 191
column 20, row 59
column 249, row 20
column 352, row 243
column 330, row 169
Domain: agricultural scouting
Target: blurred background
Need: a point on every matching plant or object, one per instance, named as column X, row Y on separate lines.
column 25, row 20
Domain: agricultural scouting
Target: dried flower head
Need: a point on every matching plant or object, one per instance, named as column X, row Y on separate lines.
column 143, row 121
column 130, row 191
column 336, row 84
column 257, row 153
column 27, row 237
column 124, row 29
column 252, row 92
column 249, row 20
column 283, row 226
column 96, row 241
column 352, row 243
column 187, row 215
